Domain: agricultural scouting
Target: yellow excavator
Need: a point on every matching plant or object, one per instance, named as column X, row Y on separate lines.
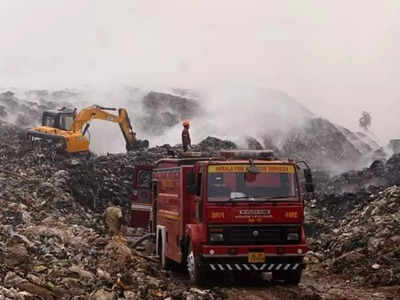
column 66, row 128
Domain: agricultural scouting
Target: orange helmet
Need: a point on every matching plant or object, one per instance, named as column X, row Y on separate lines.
column 185, row 123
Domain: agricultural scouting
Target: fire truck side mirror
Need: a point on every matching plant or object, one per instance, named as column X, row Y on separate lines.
column 191, row 186
column 309, row 185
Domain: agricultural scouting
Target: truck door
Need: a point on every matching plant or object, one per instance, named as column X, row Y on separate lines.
column 196, row 205
column 141, row 196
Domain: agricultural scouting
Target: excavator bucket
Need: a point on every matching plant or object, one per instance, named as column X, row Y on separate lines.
column 137, row 145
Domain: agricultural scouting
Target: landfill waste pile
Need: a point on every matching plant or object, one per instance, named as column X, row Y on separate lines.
column 380, row 173
column 26, row 113
column 354, row 225
column 54, row 247
column 96, row 181
column 162, row 111
column 213, row 144
column 328, row 146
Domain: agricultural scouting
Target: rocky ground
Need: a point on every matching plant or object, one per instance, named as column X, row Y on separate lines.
column 54, row 246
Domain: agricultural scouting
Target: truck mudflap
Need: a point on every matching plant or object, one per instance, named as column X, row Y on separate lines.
column 256, row 267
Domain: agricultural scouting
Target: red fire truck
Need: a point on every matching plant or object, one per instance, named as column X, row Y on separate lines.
column 240, row 212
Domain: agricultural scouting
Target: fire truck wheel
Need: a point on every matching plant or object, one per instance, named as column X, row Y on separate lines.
column 289, row 277
column 194, row 268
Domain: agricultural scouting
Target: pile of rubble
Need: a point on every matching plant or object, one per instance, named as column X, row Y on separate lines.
column 96, row 181
column 54, row 247
column 354, row 223
column 357, row 234
column 379, row 174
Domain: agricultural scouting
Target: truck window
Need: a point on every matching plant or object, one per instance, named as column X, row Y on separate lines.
column 144, row 178
column 49, row 121
column 66, row 122
column 222, row 186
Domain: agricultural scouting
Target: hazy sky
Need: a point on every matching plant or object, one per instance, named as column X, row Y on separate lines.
column 336, row 57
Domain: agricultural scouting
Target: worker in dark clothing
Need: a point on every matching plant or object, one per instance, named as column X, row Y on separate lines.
column 186, row 143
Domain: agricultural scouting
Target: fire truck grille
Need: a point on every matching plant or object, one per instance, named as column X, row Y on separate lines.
column 257, row 235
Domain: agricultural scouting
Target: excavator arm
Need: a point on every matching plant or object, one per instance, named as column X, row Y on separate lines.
column 93, row 112
column 100, row 113
column 126, row 128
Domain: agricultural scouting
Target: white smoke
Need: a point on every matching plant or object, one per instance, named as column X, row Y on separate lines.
column 229, row 112
column 235, row 112
column 317, row 52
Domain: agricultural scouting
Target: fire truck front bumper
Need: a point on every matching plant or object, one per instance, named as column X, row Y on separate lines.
column 255, row 260
column 242, row 264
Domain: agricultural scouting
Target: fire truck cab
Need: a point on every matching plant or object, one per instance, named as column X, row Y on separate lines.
column 240, row 212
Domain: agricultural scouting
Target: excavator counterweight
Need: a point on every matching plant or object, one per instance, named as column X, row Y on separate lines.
column 66, row 129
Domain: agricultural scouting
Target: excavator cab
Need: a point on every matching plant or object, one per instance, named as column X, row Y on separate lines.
column 62, row 119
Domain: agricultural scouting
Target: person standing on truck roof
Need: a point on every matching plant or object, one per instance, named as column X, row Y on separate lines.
column 113, row 218
column 186, row 142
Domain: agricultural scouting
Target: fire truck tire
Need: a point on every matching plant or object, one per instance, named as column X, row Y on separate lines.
column 197, row 274
column 289, row 277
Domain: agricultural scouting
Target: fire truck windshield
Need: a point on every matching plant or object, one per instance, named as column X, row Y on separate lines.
column 236, row 184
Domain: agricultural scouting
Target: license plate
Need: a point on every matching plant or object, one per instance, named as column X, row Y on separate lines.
column 256, row 257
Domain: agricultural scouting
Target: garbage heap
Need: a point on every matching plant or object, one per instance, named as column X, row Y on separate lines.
column 54, row 246
column 357, row 235
column 95, row 181
column 380, row 173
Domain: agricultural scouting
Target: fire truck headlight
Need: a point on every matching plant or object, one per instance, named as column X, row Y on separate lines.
column 293, row 236
column 216, row 237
